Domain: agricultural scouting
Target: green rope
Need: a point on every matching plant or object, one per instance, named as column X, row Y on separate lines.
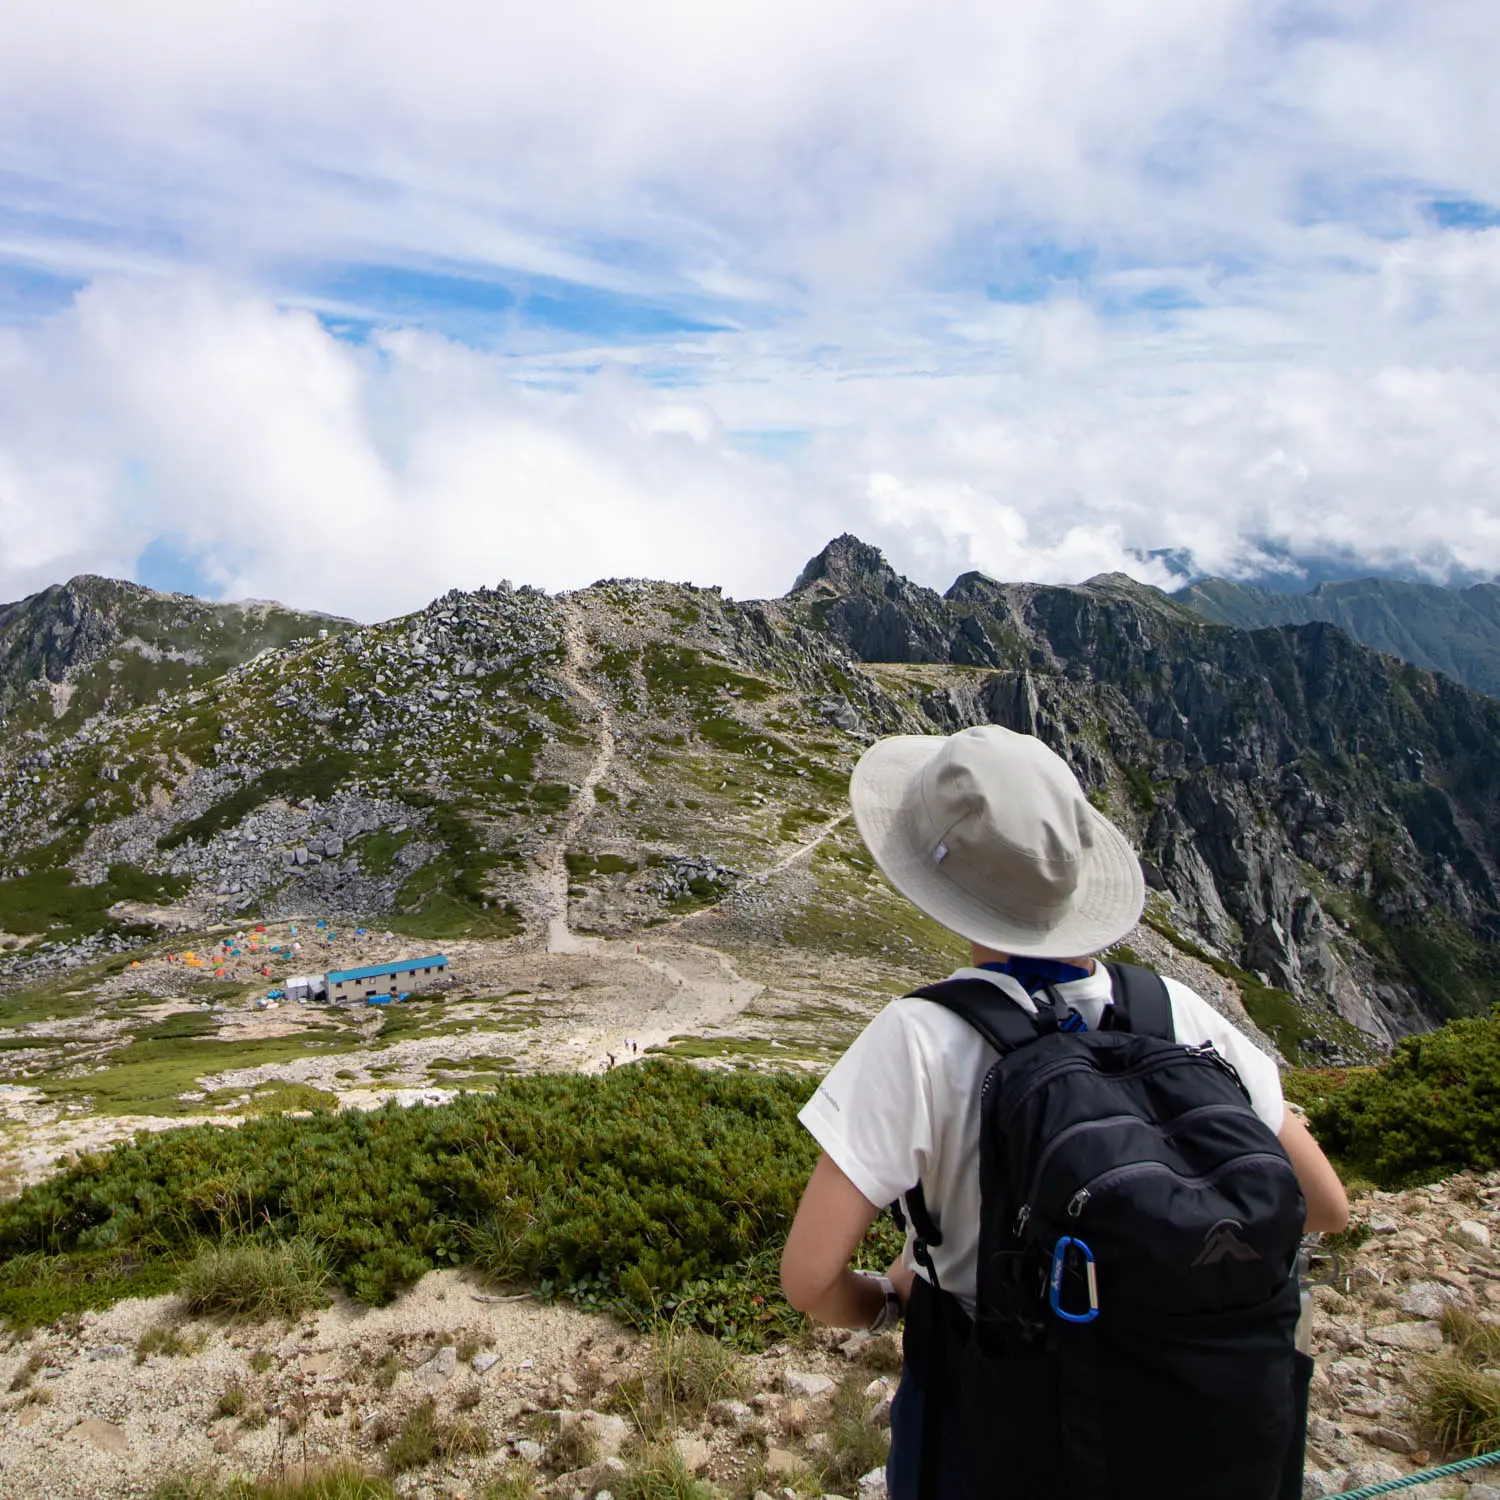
column 1445, row 1472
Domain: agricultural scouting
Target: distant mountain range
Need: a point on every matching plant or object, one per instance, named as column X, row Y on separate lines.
column 1318, row 820
column 1454, row 631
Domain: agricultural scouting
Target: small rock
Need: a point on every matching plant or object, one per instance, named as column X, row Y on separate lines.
column 1483, row 1492
column 1390, row 1438
column 102, row 1435
column 695, row 1454
column 440, row 1367
column 1316, row 1484
column 1474, row 1233
column 316, row 1364
column 782, row 1463
column 485, row 1361
column 1383, row 1224
column 1321, row 1431
column 1430, row 1299
column 733, row 1414
column 872, row 1485
column 110, row 1351
column 1357, row 1476
column 1420, row 1338
column 610, row 1433
column 51, row 1372
column 528, row 1451
column 809, row 1385
column 595, row 1480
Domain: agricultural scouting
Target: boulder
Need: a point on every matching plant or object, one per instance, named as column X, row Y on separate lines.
column 732, row 1414
column 593, row 1481
column 1390, row 1438
column 1472, row 1232
column 807, row 1384
column 1430, row 1299
column 439, row 1368
column 782, row 1463
column 1418, row 1338
column 694, row 1453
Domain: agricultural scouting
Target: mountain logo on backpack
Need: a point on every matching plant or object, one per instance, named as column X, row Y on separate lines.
column 1223, row 1242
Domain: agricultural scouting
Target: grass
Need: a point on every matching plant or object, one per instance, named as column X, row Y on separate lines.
column 282, row 1096
column 516, row 1481
column 378, row 851
column 149, row 1074
column 571, row 1448
column 340, row 1480
column 48, row 901
column 1458, row 1395
column 424, row 1437
column 855, row 1445
column 256, row 1280
column 856, row 916
column 35, row 1361
column 166, row 1341
column 233, row 1400
column 660, row 1474
column 685, row 1373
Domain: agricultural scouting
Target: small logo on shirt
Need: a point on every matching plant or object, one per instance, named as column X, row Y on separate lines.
column 829, row 1097
column 1223, row 1242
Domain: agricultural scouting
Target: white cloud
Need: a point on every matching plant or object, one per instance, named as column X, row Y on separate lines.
column 1218, row 317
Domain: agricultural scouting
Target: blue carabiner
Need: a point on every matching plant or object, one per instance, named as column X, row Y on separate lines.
column 1059, row 1257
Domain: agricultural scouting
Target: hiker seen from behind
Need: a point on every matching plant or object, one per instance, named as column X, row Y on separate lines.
column 1103, row 1191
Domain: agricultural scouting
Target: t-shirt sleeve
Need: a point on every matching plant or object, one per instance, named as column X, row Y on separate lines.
column 1196, row 1020
column 872, row 1114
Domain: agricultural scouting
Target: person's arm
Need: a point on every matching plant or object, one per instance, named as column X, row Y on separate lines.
column 831, row 1221
column 1327, row 1202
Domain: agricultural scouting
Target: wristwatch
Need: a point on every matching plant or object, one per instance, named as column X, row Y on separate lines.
column 890, row 1310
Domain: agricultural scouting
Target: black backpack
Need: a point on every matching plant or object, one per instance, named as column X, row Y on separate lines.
column 1137, row 1300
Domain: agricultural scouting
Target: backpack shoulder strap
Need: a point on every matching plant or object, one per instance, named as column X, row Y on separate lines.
column 1141, row 1001
column 988, row 1009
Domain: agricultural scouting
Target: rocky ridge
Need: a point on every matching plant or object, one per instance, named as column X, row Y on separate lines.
column 1316, row 820
column 1323, row 815
column 1455, row 631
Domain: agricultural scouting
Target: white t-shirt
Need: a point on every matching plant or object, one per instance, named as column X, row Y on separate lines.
column 902, row 1104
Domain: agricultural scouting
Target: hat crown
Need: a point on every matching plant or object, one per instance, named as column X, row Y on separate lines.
column 1004, row 813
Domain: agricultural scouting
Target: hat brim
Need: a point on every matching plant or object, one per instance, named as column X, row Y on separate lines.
column 1106, row 903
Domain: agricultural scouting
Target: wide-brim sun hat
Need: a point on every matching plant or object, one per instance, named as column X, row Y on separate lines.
column 990, row 834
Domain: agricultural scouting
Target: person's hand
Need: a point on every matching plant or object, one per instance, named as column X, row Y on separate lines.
column 900, row 1274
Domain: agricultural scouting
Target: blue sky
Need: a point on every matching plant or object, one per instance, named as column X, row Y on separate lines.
column 486, row 291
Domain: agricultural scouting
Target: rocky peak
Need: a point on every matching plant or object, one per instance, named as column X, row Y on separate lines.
column 849, row 565
column 1323, row 814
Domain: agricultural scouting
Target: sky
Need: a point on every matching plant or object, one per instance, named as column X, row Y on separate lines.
column 349, row 304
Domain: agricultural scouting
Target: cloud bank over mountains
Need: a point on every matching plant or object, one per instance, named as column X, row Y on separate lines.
column 350, row 304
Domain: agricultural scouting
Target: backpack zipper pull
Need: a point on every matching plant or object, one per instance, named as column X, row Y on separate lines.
column 1021, row 1219
column 1076, row 1202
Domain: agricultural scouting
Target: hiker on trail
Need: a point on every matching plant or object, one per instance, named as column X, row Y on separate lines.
column 1102, row 1190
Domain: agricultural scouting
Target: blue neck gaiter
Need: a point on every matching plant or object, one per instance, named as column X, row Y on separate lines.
column 1035, row 973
